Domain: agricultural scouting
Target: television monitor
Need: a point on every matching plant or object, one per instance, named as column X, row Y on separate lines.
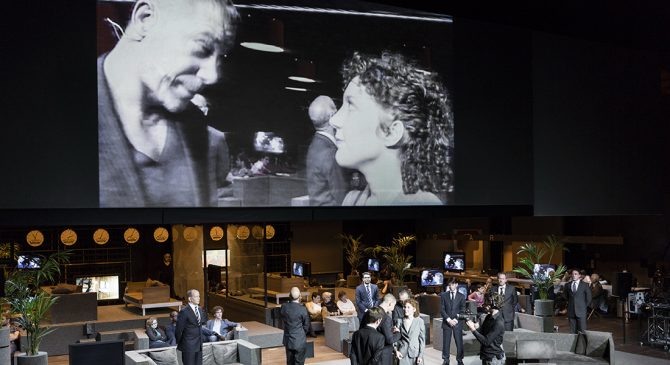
column 28, row 262
column 99, row 352
column 268, row 142
column 432, row 277
column 543, row 270
column 454, row 261
column 373, row 265
column 107, row 287
column 216, row 257
column 301, row 268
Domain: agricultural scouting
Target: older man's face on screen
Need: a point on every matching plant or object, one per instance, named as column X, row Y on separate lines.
column 181, row 53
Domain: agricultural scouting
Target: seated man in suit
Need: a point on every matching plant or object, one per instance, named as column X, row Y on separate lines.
column 157, row 336
column 367, row 344
column 367, row 296
column 221, row 329
column 170, row 329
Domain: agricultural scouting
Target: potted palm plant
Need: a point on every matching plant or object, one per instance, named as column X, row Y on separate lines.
column 395, row 257
column 353, row 251
column 31, row 305
column 533, row 257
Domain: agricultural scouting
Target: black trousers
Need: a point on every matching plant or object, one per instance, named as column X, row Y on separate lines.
column 577, row 324
column 191, row 358
column 457, row 332
column 295, row 357
column 509, row 326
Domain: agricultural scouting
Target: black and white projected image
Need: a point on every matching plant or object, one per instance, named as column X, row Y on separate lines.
column 215, row 104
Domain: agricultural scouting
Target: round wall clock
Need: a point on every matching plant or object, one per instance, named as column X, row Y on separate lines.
column 269, row 232
column 68, row 237
column 131, row 235
column 242, row 232
column 161, row 234
column 216, row 233
column 101, row 236
column 35, row 238
column 190, row 234
column 257, row 232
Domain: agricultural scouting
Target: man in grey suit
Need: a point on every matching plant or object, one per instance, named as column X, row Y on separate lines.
column 326, row 184
column 451, row 304
column 578, row 295
column 367, row 296
column 296, row 325
column 510, row 300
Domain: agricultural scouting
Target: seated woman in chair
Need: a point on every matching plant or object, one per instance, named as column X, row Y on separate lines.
column 345, row 305
column 157, row 336
column 314, row 308
column 219, row 329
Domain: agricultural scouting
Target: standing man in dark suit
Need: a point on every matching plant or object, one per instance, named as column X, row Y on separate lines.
column 388, row 328
column 452, row 303
column 399, row 310
column 367, row 344
column 510, row 300
column 326, row 184
column 296, row 325
column 578, row 295
column 188, row 331
column 367, row 296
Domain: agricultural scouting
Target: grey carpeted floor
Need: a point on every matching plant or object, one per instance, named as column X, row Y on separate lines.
column 434, row 357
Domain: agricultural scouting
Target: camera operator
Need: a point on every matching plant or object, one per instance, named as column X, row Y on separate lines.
column 490, row 335
column 452, row 304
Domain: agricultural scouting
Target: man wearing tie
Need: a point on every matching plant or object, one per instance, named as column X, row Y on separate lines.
column 367, row 296
column 451, row 304
column 578, row 296
column 510, row 300
column 188, row 332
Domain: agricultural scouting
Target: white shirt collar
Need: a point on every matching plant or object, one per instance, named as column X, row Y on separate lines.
column 327, row 135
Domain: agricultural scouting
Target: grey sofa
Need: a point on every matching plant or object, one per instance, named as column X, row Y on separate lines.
column 214, row 353
column 592, row 347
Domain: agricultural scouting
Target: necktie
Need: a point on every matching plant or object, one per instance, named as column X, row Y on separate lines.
column 574, row 286
column 452, row 295
column 367, row 287
column 197, row 314
column 502, row 290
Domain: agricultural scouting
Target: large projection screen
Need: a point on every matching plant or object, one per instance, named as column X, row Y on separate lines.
column 249, row 105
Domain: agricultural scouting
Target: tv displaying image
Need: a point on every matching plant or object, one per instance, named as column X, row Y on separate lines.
column 107, row 287
column 454, row 261
column 432, row 278
column 373, row 265
column 300, row 268
column 237, row 91
column 28, row 262
column 543, row 270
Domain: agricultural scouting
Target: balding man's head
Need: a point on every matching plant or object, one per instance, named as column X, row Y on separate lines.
column 320, row 111
column 295, row 294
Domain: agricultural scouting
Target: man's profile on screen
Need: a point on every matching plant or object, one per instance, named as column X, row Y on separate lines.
column 154, row 145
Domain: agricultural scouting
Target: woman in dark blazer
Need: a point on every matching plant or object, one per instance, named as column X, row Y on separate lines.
column 157, row 336
column 412, row 342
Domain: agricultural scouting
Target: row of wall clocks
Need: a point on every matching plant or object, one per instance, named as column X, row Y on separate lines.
column 68, row 237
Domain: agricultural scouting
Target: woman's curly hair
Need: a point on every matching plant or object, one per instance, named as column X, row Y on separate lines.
column 419, row 100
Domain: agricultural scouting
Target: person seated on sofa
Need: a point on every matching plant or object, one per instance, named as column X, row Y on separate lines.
column 221, row 328
column 477, row 296
column 345, row 305
column 157, row 336
column 314, row 308
column 171, row 328
column 329, row 306
column 341, row 281
column 598, row 294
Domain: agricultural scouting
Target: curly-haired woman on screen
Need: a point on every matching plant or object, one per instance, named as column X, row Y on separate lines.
column 395, row 126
